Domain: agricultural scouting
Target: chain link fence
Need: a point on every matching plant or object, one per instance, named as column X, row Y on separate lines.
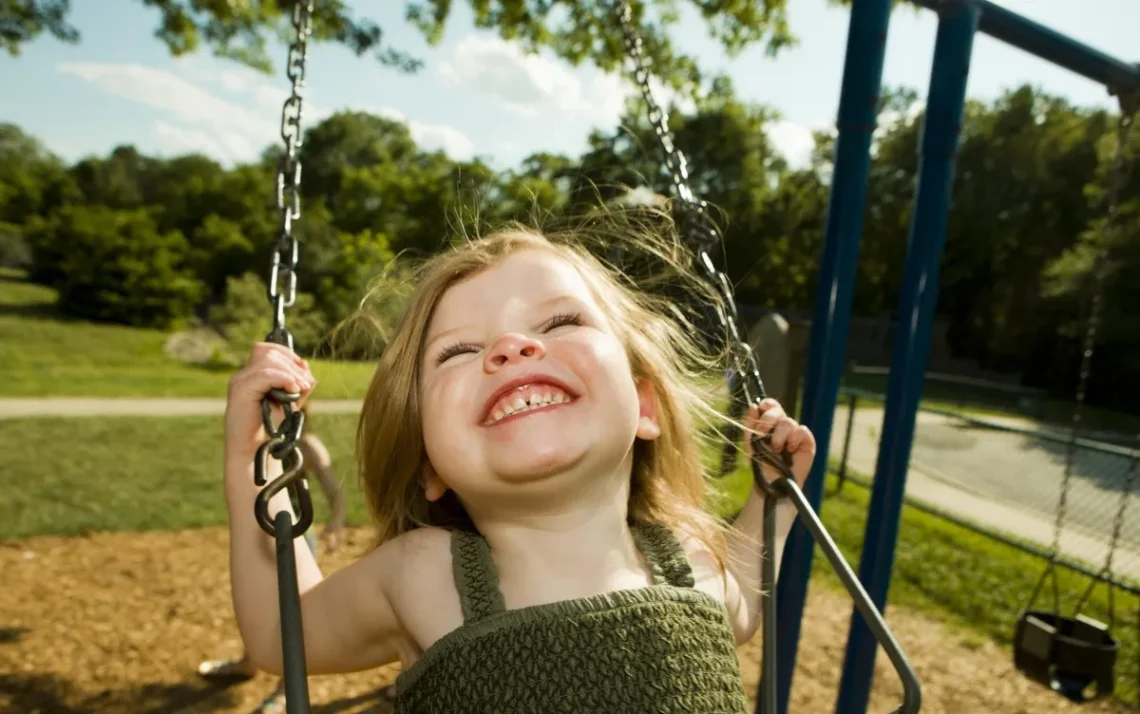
column 1003, row 476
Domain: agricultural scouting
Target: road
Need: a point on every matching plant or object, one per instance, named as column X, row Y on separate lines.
column 1010, row 482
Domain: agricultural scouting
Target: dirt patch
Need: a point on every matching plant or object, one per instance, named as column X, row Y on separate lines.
column 117, row 624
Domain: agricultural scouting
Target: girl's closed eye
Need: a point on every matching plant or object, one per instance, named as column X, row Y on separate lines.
column 454, row 350
column 553, row 323
column 568, row 318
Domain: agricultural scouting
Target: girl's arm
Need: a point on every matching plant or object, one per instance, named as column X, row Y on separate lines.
column 348, row 621
column 744, row 540
column 744, row 562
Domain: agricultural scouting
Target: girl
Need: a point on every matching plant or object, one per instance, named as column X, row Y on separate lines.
column 528, row 452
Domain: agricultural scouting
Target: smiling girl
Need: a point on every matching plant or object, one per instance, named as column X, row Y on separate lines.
column 529, row 456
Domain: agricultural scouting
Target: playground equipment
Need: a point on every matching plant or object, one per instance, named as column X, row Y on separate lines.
column 1071, row 653
column 281, row 443
column 698, row 230
column 959, row 22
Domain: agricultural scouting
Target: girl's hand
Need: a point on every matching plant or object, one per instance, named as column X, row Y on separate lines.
column 787, row 435
column 270, row 366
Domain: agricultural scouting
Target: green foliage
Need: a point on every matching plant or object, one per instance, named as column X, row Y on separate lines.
column 577, row 30
column 243, row 317
column 14, row 249
column 116, row 266
column 1028, row 216
column 218, row 247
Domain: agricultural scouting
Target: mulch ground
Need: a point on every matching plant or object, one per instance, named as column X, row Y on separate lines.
column 117, row 623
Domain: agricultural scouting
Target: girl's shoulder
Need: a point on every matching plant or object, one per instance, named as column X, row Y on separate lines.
column 421, row 554
column 420, row 584
column 708, row 569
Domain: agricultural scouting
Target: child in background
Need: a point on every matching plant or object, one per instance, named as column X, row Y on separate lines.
column 318, row 463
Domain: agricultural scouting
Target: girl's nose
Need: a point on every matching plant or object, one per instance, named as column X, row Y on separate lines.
column 512, row 348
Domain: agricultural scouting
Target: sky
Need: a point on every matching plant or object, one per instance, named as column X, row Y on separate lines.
column 478, row 95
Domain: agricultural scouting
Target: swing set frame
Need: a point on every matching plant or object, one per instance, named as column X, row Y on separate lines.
column 959, row 22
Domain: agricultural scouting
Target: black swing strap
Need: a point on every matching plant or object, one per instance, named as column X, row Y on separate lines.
column 697, row 226
column 282, row 440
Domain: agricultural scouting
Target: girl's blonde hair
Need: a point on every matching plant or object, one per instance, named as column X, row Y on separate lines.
column 668, row 485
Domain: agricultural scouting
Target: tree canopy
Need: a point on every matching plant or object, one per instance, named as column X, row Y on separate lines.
column 576, row 30
column 146, row 240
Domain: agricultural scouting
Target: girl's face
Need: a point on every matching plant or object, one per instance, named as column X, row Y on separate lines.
column 524, row 379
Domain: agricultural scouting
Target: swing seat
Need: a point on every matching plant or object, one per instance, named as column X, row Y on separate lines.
column 1066, row 654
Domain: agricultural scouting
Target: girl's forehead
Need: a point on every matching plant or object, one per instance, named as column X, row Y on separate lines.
column 524, row 280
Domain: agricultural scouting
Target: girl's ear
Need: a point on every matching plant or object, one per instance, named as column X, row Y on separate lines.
column 647, row 427
column 432, row 484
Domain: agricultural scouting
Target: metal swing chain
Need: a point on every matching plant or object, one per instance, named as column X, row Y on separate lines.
column 1114, row 541
column 1129, row 104
column 282, row 293
column 1100, row 271
column 699, row 226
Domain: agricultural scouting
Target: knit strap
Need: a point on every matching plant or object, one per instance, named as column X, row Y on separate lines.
column 666, row 557
column 476, row 577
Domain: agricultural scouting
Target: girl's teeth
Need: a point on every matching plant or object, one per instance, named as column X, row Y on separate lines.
column 533, row 400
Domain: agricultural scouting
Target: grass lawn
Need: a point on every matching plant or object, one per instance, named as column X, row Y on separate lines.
column 43, row 354
column 128, row 473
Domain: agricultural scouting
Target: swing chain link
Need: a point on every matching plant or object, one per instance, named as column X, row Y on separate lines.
column 697, row 226
column 286, row 252
column 1130, row 105
column 282, row 290
column 1118, row 174
column 1118, row 520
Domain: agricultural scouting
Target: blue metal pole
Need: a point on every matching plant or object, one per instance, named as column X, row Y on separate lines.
column 957, row 26
column 1050, row 45
column 858, row 111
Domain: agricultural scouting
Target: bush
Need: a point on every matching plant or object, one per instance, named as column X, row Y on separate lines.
column 115, row 266
column 14, row 250
column 246, row 316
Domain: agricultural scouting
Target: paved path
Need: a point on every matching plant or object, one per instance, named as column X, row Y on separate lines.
column 1007, row 481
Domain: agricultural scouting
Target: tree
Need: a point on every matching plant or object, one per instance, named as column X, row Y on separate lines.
column 33, row 181
column 115, row 266
column 731, row 164
column 1069, row 280
column 577, row 30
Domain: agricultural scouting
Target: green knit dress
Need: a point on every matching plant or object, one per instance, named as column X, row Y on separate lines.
column 665, row 649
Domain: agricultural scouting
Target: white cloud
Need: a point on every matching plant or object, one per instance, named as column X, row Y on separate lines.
column 453, row 142
column 176, row 140
column 238, row 120
column 794, row 141
column 238, row 133
column 533, row 85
